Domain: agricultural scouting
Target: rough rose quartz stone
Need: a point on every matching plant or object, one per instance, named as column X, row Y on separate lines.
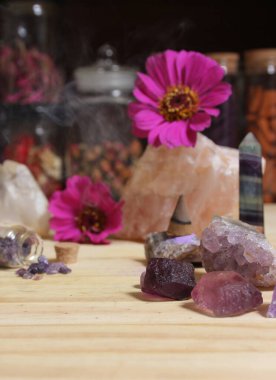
column 225, row 294
column 205, row 175
column 168, row 278
column 227, row 244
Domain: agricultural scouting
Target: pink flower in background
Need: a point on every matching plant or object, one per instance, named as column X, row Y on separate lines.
column 28, row 76
column 177, row 97
column 84, row 212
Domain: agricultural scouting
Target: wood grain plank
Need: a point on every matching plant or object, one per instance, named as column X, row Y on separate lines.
column 96, row 324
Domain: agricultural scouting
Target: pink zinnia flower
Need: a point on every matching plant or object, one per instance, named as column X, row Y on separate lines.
column 177, row 97
column 84, row 212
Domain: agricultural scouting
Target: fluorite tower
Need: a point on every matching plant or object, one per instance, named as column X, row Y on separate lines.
column 251, row 192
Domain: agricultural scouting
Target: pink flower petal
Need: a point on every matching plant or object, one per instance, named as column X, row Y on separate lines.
column 149, row 87
column 156, row 68
column 172, row 72
column 219, row 94
column 190, row 136
column 97, row 239
column 177, row 133
column 202, row 72
column 200, row 121
column 153, row 137
column 147, row 119
column 167, row 134
column 138, row 132
column 180, row 66
column 211, row 111
column 69, row 235
column 143, row 98
column 135, row 107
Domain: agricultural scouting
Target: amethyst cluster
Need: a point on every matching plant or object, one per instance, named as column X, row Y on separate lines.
column 42, row 266
column 228, row 245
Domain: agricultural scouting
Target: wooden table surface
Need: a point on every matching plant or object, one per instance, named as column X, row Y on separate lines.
column 96, row 324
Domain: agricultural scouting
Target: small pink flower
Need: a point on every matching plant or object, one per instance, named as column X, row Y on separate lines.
column 84, row 212
column 177, row 97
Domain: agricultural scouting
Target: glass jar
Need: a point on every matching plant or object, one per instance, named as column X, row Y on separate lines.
column 28, row 73
column 18, row 246
column 30, row 136
column 226, row 128
column 260, row 66
column 100, row 143
column 30, row 83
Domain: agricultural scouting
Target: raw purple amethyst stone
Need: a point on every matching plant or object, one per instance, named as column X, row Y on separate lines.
column 230, row 245
column 225, row 294
column 271, row 313
column 168, row 278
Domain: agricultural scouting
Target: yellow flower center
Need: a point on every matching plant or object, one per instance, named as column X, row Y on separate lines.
column 179, row 103
column 91, row 219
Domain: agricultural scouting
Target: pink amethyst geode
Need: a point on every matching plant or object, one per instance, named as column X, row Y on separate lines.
column 225, row 294
column 207, row 176
column 228, row 244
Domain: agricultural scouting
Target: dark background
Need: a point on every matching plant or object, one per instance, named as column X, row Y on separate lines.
column 138, row 28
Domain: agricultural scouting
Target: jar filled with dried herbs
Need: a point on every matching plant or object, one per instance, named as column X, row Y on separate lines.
column 226, row 129
column 100, row 142
column 260, row 68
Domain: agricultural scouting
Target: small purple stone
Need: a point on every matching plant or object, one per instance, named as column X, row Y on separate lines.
column 271, row 313
column 43, row 260
column 42, row 266
column 168, row 278
column 37, row 268
column 185, row 239
column 20, row 272
column 225, row 294
column 55, row 268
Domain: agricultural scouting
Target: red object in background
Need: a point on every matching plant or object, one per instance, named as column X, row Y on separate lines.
column 43, row 163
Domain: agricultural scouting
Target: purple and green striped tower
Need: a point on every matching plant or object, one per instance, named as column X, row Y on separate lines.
column 251, row 182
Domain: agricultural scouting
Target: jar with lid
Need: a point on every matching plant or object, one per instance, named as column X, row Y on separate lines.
column 260, row 66
column 100, row 143
column 19, row 246
column 29, row 81
column 226, row 129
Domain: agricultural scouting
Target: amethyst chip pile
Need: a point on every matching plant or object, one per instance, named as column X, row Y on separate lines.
column 42, row 266
column 168, row 278
column 8, row 252
column 225, row 294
